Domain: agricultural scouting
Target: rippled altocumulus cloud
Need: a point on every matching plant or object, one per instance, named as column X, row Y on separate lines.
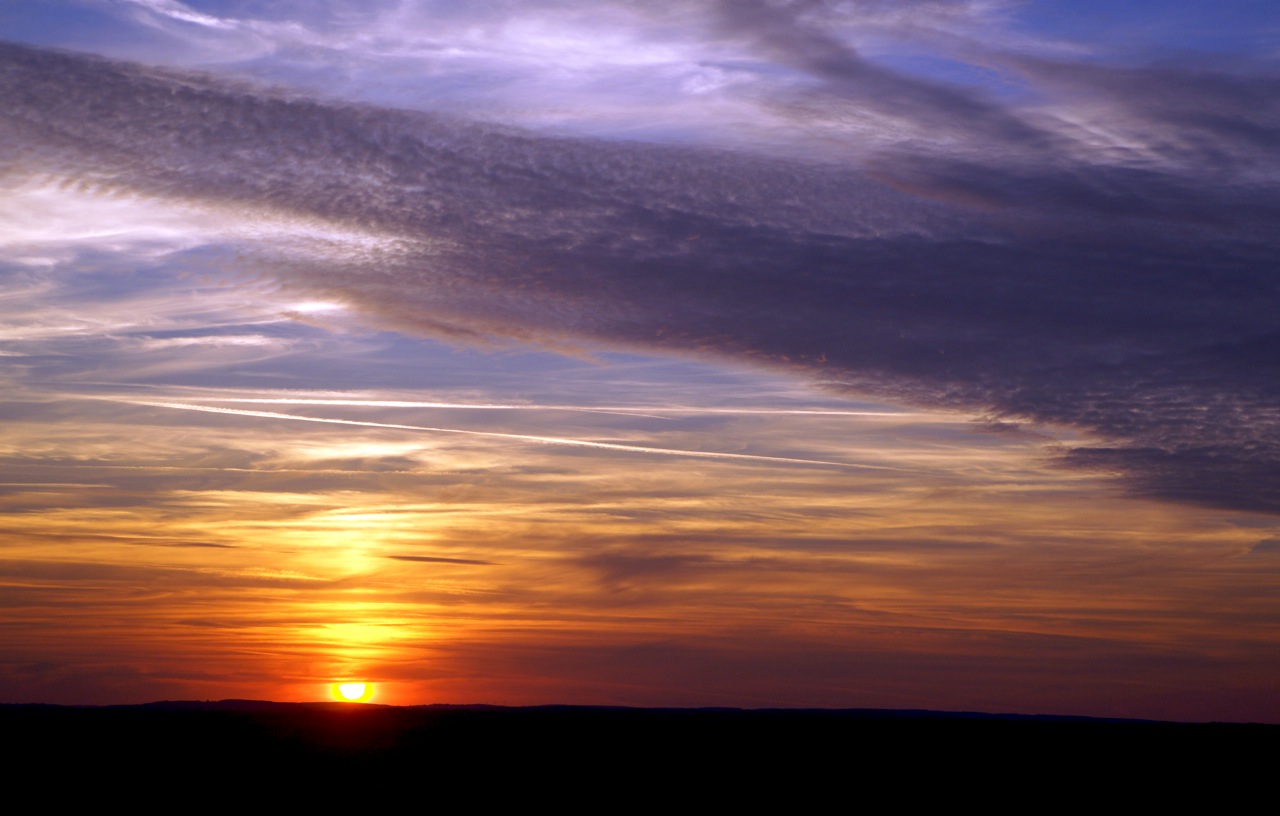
column 1095, row 254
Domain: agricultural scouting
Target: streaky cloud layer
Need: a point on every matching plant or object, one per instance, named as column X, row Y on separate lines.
column 408, row 368
column 1112, row 270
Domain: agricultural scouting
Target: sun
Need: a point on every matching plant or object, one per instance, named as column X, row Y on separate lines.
column 352, row 692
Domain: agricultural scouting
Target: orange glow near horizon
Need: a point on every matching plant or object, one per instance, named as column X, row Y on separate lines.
column 352, row 692
column 284, row 566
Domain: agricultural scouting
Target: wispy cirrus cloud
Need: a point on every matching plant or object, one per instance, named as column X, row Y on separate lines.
column 1025, row 271
column 568, row 303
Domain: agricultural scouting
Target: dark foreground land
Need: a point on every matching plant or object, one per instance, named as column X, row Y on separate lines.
column 715, row 752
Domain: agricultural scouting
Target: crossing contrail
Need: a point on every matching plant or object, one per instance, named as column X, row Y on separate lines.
column 630, row 410
column 546, row 440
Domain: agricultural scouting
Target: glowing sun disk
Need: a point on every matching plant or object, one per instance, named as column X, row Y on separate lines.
column 352, row 692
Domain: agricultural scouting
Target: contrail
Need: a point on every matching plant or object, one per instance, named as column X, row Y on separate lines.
column 624, row 411
column 630, row 410
column 547, row 440
column 51, row 484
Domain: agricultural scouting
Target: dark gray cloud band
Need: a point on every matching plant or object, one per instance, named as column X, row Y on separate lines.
column 1132, row 293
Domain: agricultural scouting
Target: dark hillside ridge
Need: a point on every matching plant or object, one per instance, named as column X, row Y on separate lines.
column 770, row 745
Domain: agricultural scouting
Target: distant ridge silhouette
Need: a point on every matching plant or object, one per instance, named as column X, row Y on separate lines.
column 796, row 758
column 786, row 713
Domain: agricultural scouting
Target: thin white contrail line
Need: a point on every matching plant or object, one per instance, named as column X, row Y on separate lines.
column 605, row 409
column 51, row 484
column 546, row 440
column 483, row 406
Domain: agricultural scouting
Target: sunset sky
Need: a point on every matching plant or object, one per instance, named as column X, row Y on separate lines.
column 724, row 352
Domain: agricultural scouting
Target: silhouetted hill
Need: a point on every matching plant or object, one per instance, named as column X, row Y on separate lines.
column 732, row 751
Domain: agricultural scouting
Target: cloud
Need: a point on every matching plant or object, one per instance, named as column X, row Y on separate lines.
column 431, row 559
column 781, row 34
column 1266, row 547
column 1032, row 270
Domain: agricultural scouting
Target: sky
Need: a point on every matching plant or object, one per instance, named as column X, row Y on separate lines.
column 757, row 353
